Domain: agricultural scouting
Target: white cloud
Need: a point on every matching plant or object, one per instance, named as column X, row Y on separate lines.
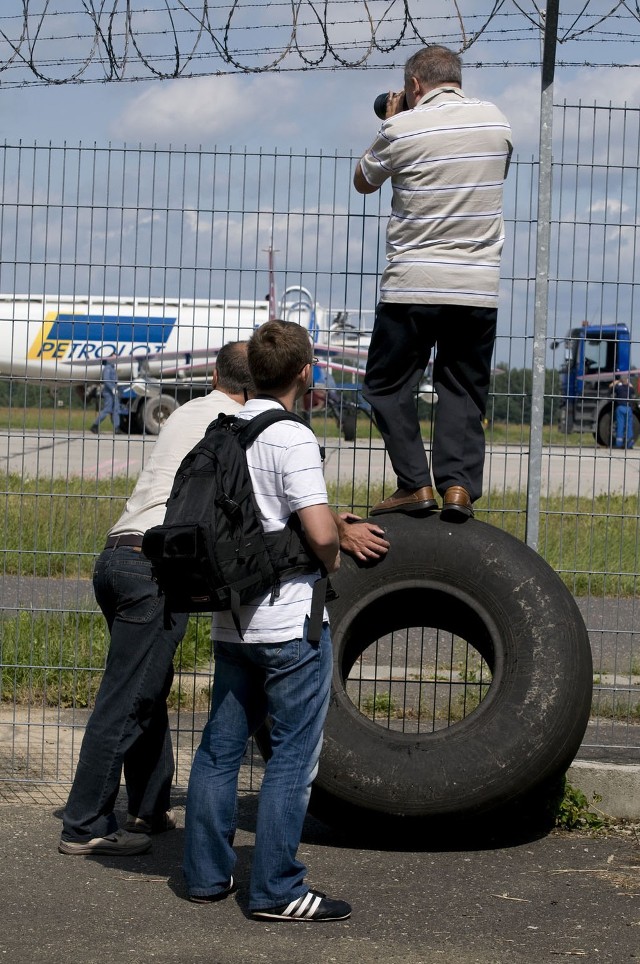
column 206, row 110
column 311, row 110
column 603, row 86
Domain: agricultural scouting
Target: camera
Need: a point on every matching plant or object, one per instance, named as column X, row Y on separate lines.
column 380, row 105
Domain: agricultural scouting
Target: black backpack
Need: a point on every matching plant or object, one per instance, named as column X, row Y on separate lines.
column 212, row 553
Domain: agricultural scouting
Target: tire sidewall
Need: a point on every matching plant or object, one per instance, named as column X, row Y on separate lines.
column 530, row 723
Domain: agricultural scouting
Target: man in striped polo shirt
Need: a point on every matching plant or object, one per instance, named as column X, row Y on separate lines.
column 447, row 156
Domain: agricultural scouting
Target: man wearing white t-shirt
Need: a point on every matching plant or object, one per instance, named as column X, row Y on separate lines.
column 129, row 726
column 274, row 669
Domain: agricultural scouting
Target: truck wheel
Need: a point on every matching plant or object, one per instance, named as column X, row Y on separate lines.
column 604, row 432
column 156, row 412
column 348, row 425
column 462, row 676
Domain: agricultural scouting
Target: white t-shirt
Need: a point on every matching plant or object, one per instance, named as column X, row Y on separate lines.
column 286, row 472
column 184, row 428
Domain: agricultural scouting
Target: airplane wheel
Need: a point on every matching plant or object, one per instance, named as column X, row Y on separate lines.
column 156, row 412
column 462, row 679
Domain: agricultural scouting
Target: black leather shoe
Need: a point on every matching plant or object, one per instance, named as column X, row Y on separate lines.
column 214, row 898
column 456, row 504
column 407, row 500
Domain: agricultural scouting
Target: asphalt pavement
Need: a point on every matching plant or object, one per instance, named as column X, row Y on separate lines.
column 538, row 899
column 584, row 471
column 533, row 900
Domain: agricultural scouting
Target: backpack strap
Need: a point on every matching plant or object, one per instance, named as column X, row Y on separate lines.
column 314, row 629
column 249, row 434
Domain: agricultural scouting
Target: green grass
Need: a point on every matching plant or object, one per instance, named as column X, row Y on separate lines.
column 498, row 433
column 57, row 658
column 79, row 419
column 46, row 419
column 379, row 704
column 55, row 528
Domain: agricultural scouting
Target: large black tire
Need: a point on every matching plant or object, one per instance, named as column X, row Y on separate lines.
column 487, row 588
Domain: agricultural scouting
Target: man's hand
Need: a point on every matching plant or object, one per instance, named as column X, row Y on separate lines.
column 395, row 103
column 364, row 540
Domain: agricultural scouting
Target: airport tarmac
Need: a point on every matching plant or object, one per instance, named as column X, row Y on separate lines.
column 570, row 471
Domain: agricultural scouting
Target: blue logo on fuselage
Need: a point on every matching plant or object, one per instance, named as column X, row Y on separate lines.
column 91, row 337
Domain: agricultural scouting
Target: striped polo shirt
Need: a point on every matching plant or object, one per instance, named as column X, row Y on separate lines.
column 447, row 160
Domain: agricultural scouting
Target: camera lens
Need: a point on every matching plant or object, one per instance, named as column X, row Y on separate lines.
column 380, row 105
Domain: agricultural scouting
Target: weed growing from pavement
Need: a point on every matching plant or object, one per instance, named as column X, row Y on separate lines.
column 575, row 813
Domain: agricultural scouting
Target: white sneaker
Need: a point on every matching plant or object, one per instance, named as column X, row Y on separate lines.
column 120, row 843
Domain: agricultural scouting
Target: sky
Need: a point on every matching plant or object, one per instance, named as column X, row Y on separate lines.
column 313, row 110
column 328, row 109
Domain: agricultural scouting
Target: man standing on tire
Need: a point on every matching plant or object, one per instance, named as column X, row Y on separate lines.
column 447, row 156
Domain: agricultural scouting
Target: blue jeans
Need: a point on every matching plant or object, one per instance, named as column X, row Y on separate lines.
column 290, row 682
column 624, row 426
column 129, row 726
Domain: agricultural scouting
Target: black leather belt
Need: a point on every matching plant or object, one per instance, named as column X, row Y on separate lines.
column 126, row 539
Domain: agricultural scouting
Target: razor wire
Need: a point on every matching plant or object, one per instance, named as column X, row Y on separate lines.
column 45, row 42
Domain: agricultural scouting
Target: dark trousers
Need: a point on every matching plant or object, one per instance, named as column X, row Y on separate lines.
column 129, row 726
column 401, row 345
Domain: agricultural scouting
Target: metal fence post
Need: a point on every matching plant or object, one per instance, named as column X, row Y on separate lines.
column 543, row 238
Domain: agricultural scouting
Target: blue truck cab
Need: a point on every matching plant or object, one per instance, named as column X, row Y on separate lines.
column 594, row 356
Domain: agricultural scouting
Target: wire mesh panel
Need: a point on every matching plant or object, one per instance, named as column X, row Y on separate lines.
column 418, row 680
column 105, row 249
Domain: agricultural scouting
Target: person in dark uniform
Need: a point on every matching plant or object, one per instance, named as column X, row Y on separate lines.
column 110, row 402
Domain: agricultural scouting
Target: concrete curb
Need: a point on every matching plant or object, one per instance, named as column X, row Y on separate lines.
column 616, row 784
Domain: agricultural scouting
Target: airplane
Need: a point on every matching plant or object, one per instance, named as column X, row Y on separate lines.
column 164, row 349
